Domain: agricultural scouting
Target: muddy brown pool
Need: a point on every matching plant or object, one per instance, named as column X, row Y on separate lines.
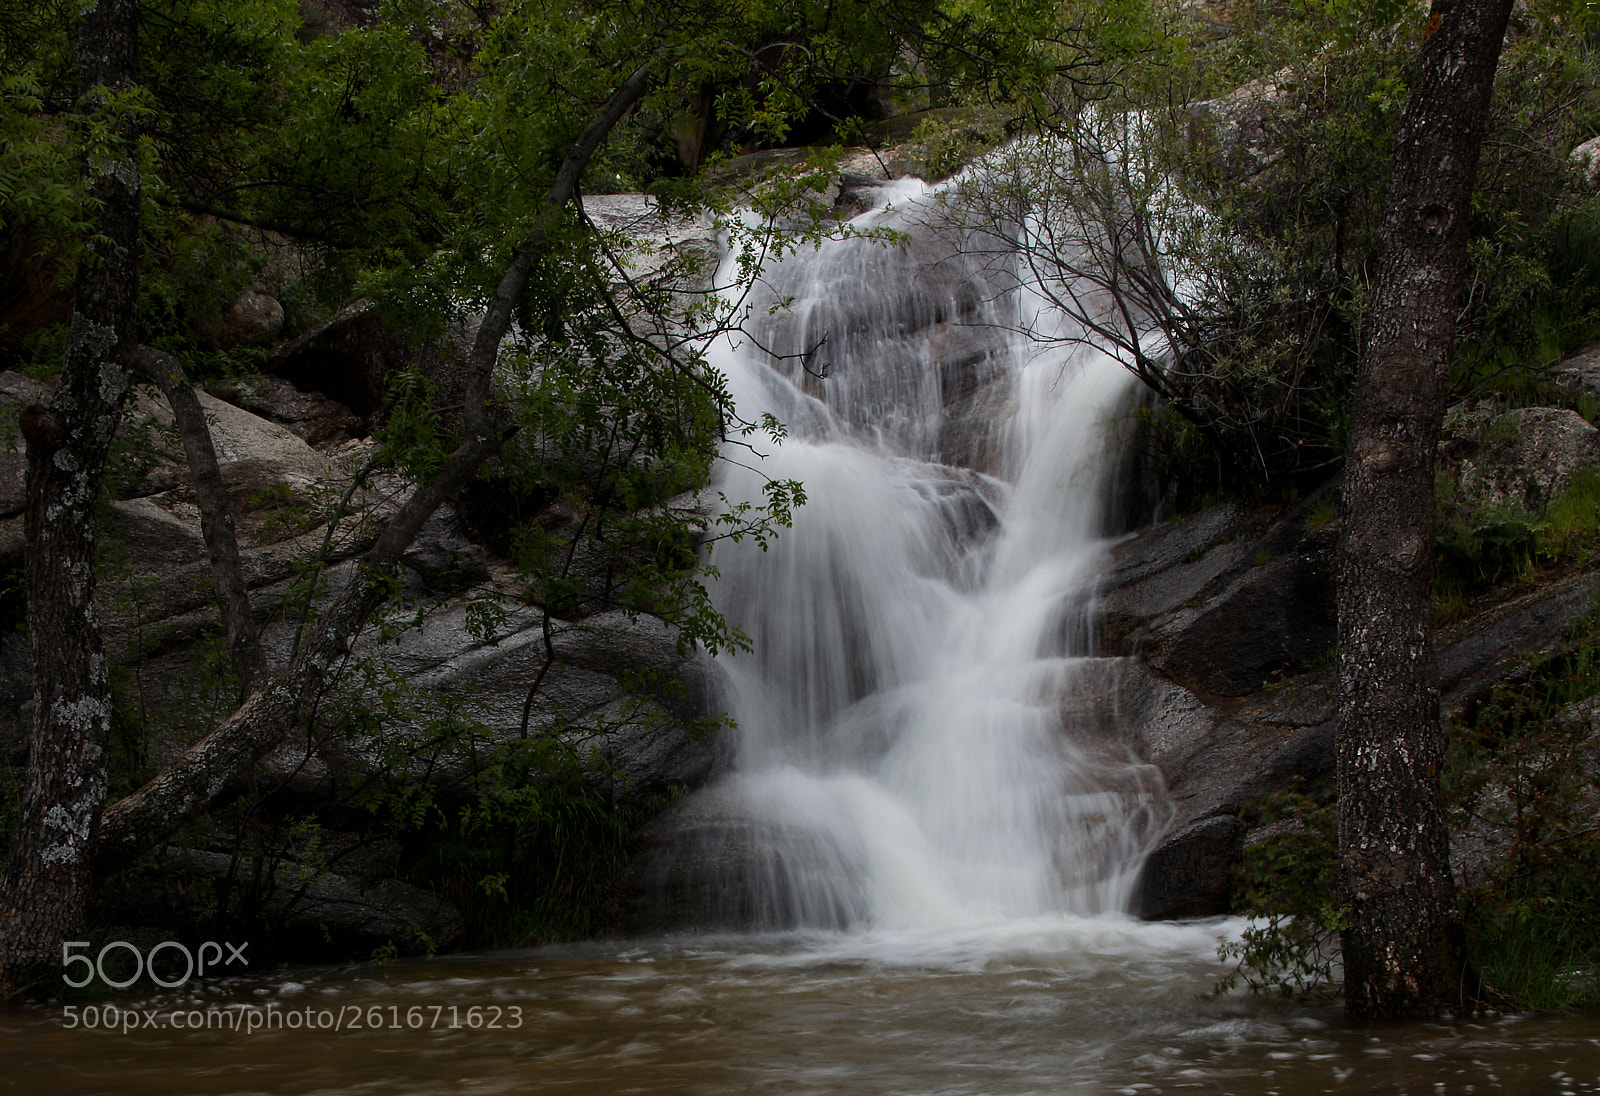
column 1095, row 1005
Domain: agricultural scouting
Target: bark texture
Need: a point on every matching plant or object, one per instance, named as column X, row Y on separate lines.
column 1402, row 947
column 47, row 877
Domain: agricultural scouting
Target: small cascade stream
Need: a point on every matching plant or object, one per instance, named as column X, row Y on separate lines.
column 919, row 740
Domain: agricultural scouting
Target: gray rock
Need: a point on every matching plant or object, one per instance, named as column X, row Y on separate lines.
column 350, row 357
column 1161, row 569
column 1215, row 606
column 445, row 561
column 702, row 866
column 1508, row 639
column 1167, row 722
column 16, row 390
column 1586, row 157
column 1221, row 754
column 1188, row 874
column 159, row 538
column 1230, row 615
column 1523, row 458
column 1271, row 621
column 251, row 319
column 259, row 460
column 1215, row 782
column 678, row 252
column 1491, row 837
column 375, row 913
column 320, row 421
column 1579, row 372
column 1245, row 122
column 628, row 706
column 865, row 167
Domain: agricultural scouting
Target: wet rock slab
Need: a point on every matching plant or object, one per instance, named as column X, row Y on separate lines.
column 1223, row 620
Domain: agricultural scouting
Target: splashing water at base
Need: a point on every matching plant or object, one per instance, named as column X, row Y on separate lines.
column 917, row 744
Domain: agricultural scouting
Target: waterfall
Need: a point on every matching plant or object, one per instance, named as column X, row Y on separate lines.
column 921, row 735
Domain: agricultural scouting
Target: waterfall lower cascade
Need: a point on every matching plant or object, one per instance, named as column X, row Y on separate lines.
column 922, row 739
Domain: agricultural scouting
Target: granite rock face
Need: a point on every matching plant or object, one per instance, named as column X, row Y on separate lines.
column 1523, row 458
column 432, row 689
column 1226, row 601
column 1176, row 602
column 1579, row 372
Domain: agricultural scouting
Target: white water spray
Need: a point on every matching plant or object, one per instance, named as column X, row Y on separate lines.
column 911, row 751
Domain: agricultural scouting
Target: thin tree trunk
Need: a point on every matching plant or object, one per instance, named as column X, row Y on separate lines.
column 1402, row 945
column 216, row 517
column 47, row 879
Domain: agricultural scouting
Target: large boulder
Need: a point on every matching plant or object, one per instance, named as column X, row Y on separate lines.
column 353, row 356
column 258, row 459
column 1163, row 568
column 1505, row 641
column 614, row 688
column 1219, row 759
column 320, row 421
column 252, row 318
column 1523, row 458
column 658, row 246
column 1246, row 123
column 1586, row 158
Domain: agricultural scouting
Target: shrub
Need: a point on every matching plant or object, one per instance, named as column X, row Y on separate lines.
column 1523, row 785
column 1285, row 881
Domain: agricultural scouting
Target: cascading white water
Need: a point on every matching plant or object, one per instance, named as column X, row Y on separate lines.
column 911, row 749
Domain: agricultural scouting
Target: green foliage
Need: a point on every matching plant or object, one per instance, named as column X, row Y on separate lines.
column 1229, row 204
column 1479, row 548
column 511, row 828
column 40, row 193
column 1285, row 881
column 1523, row 784
column 945, row 146
column 1324, row 511
column 535, row 870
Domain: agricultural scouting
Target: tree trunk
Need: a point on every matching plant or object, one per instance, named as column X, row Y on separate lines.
column 47, row 878
column 1402, row 944
column 216, row 517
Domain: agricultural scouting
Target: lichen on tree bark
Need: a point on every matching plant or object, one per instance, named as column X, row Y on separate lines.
column 1402, row 945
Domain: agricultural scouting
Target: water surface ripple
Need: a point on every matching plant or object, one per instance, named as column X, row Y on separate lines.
column 1048, row 1005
